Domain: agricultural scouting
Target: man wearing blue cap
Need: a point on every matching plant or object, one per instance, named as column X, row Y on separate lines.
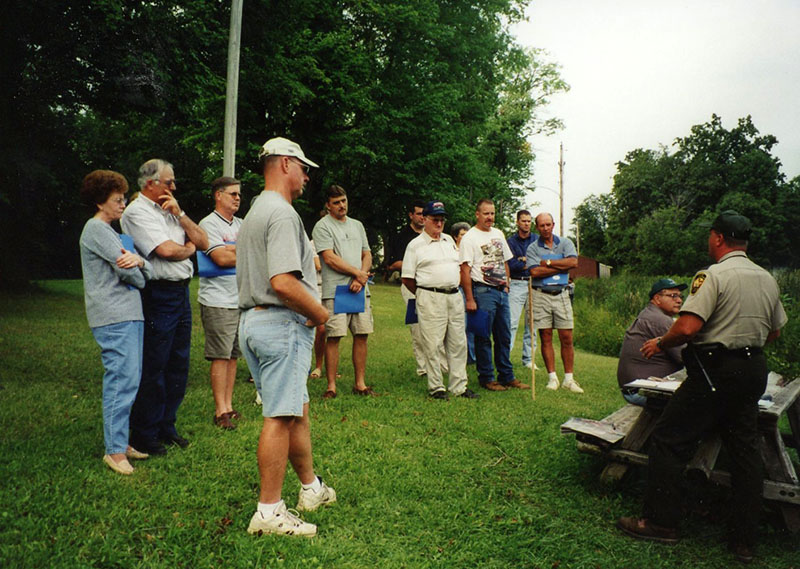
column 653, row 321
column 431, row 271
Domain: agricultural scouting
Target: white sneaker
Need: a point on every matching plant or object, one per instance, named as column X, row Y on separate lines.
column 552, row 385
column 283, row 522
column 258, row 399
column 531, row 365
column 308, row 500
column 572, row 386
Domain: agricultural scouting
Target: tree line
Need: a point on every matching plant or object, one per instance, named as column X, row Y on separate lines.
column 395, row 99
column 650, row 222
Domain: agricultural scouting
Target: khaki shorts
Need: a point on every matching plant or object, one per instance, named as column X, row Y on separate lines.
column 552, row 311
column 221, row 326
column 338, row 324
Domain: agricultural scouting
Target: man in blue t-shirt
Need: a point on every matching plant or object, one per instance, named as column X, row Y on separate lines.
column 549, row 259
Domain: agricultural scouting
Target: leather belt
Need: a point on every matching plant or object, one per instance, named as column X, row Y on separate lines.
column 550, row 292
column 496, row 287
column 710, row 350
column 166, row 283
column 519, row 278
column 441, row 290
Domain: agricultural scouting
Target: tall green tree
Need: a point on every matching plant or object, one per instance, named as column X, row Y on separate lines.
column 656, row 193
column 395, row 99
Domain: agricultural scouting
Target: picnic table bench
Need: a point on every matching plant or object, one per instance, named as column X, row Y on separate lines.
column 621, row 438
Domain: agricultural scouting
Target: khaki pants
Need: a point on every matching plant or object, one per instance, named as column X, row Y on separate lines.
column 416, row 338
column 441, row 323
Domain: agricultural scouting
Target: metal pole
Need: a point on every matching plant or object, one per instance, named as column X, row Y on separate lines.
column 561, row 229
column 232, row 90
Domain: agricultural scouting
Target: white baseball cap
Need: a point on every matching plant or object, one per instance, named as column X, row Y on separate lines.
column 284, row 147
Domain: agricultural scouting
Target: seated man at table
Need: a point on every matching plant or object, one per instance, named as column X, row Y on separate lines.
column 653, row 322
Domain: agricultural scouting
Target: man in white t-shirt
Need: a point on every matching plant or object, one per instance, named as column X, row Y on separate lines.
column 219, row 298
column 484, row 256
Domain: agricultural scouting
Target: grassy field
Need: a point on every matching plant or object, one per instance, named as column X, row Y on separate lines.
column 421, row 483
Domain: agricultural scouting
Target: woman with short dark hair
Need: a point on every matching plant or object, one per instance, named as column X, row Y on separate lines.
column 112, row 276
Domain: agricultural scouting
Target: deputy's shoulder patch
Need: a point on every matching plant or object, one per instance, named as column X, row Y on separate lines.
column 697, row 282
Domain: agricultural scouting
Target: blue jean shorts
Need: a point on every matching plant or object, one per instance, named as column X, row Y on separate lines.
column 277, row 346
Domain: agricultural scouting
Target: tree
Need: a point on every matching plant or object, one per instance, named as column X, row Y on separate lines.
column 591, row 223
column 657, row 192
column 395, row 99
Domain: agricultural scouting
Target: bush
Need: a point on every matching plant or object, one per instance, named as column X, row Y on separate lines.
column 782, row 355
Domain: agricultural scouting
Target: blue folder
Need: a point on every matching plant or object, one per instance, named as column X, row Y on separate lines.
column 411, row 312
column 478, row 323
column 348, row 302
column 127, row 242
column 206, row 267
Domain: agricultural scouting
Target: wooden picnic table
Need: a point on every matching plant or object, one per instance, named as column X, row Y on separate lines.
column 622, row 439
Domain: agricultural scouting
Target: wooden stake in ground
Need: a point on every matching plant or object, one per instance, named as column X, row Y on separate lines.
column 533, row 338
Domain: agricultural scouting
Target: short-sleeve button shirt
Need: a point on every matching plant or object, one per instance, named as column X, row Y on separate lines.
column 432, row 263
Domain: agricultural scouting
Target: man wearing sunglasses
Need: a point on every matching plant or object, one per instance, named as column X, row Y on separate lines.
column 652, row 322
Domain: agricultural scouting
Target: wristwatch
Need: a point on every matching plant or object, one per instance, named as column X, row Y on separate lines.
column 181, row 214
column 658, row 343
column 548, row 262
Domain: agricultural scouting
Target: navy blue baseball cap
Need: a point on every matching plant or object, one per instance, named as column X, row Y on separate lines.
column 434, row 207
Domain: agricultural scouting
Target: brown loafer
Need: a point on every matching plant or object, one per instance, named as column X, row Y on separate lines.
column 493, row 386
column 517, row 384
column 367, row 391
column 224, row 422
column 642, row 528
column 329, row 394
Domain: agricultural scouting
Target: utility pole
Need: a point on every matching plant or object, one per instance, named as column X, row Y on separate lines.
column 561, row 229
column 232, row 90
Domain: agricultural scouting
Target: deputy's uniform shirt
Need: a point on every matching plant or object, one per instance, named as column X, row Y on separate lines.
column 738, row 301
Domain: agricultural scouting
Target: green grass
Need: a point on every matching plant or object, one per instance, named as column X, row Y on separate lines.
column 488, row 483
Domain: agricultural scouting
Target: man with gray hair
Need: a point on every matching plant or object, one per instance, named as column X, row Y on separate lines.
column 219, row 298
column 167, row 237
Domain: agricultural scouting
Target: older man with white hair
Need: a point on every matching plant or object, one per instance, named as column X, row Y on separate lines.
column 167, row 237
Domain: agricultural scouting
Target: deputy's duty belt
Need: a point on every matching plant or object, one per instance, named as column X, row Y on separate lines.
column 442, row 290
column 712, row 350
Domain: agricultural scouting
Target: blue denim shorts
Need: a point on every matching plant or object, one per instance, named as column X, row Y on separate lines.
column 277, row 345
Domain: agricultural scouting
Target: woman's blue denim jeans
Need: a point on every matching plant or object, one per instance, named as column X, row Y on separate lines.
column 121, row 352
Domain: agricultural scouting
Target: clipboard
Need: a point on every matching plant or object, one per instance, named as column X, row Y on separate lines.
column 478, row 323
column 347, row 302
column 411, row 312
column 206, row 267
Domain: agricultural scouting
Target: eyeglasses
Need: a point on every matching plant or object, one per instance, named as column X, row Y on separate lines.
column 122, row 201
column 673, row 296
column 436, row 220
column 234, row 195
column 167, row 182
column 305, row 167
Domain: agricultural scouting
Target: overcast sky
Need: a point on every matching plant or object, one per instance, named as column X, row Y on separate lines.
column 643, row 72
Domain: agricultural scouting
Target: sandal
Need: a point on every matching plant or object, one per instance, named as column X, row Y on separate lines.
column 367, row 391
column 329, row 395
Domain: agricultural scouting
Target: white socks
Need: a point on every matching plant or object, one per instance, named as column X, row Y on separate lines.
column 316, row 485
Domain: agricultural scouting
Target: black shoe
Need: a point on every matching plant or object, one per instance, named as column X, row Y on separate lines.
column 741, row 552
column 439, row 395
column 469, row 394
column 150, row 446
column 175, row 439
